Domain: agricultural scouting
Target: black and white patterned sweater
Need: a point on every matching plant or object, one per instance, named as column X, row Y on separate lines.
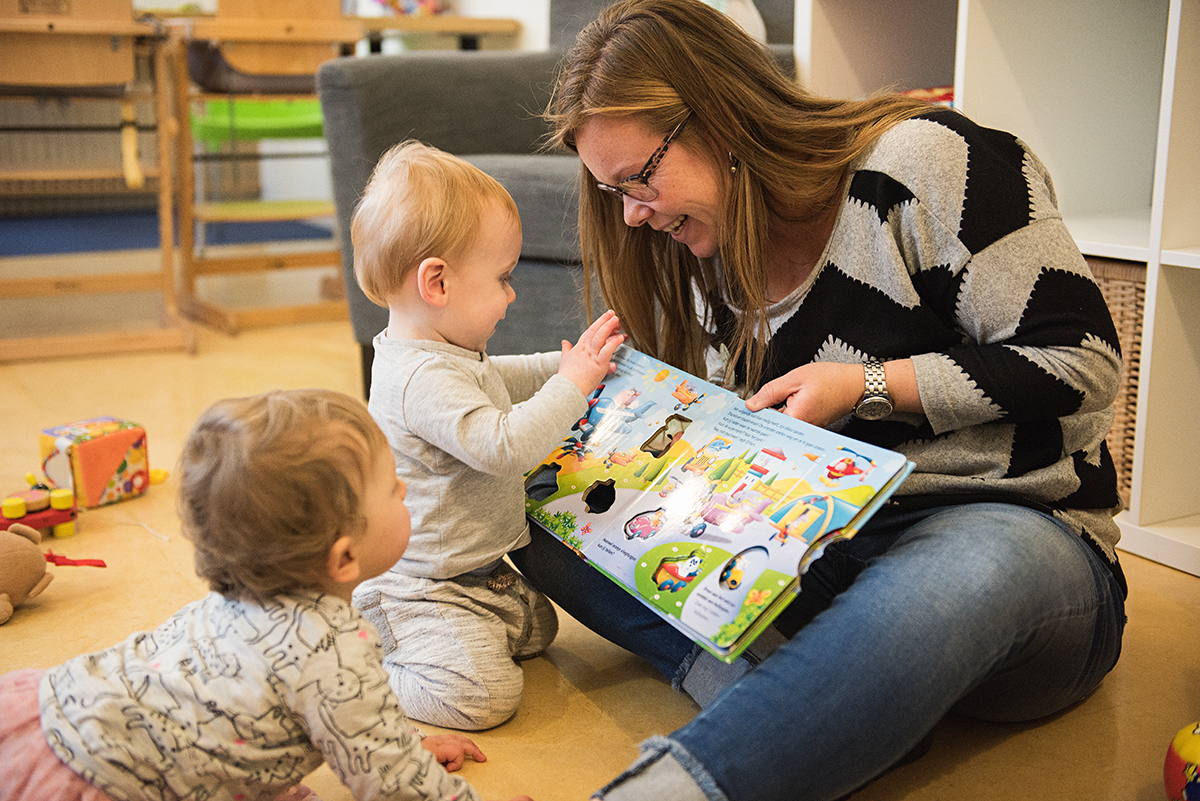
column 950, row 250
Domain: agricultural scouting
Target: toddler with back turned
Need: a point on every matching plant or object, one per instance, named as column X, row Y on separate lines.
column 291, row 500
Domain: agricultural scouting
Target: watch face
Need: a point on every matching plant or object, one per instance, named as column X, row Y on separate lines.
column 873, row 409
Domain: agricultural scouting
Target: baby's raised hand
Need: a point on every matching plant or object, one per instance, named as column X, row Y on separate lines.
column 590, row 359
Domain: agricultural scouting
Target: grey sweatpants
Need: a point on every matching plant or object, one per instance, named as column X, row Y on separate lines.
column 450, row 645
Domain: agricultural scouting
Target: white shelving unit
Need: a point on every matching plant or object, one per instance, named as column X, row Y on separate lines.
column 1081, row 84
column 1108, row 95
column 1163, row 522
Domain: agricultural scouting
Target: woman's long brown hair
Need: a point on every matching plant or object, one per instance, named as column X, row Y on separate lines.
column 667, row 60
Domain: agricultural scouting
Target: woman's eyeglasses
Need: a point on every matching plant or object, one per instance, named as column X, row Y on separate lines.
column 638, row 186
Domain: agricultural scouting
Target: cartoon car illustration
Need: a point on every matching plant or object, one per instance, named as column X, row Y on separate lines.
column 732, row 574
column 676, row 572
column 644, row 525
column 706, row 456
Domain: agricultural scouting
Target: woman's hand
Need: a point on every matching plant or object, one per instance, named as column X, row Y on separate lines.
column 820, row 393
column 452, row 750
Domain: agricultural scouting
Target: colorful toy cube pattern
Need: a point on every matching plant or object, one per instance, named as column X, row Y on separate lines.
column 103, row 460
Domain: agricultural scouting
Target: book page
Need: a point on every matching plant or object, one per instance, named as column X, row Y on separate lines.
column 700, row 507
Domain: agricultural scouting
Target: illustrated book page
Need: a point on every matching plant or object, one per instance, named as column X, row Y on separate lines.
column 707, row 512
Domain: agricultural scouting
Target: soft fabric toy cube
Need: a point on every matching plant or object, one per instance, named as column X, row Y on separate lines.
column 103, row 459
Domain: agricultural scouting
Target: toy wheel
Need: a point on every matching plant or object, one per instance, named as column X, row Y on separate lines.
column 64, row 529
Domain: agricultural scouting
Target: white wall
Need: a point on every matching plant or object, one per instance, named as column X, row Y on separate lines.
column 534, row 16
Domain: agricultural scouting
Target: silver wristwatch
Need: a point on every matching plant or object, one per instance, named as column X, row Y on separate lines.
column 875, row 403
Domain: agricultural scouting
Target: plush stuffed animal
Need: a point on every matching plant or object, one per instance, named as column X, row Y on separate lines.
column 23, row 571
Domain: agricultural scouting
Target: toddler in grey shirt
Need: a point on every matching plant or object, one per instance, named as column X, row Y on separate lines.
column 435, row 241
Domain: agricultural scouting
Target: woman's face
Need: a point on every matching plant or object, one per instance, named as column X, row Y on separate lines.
column 689, row 203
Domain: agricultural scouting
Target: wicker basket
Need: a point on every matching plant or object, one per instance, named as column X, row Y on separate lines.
column 1123, row 284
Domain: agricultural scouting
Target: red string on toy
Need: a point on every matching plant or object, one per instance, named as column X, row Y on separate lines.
column 61, row 561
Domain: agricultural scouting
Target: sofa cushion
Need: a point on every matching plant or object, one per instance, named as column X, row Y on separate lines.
column 546, row 190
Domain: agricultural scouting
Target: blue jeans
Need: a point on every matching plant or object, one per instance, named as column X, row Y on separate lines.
column 992, row 610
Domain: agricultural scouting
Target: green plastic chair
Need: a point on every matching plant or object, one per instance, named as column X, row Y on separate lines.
column 236, row 119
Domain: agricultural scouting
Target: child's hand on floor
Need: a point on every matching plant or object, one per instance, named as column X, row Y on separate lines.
column 452, row 750
column 590, row 360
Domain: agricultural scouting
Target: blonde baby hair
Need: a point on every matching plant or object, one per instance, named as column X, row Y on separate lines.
column 421, row 202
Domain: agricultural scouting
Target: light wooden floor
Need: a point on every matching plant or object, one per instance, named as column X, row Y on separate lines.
column 587, row 703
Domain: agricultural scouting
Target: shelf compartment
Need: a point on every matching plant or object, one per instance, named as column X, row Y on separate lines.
column 1087, row 104
column 1178, row 166
column 1175, row 543
column 1166, row 471
column 850, row 49
column 1123, row 234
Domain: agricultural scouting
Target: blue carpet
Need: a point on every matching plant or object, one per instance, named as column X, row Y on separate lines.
column 36, row 236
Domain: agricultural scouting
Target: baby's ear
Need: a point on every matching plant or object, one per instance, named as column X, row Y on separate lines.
column 342, row 565
column 431, row 281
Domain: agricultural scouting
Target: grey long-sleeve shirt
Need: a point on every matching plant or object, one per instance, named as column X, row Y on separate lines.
column 463, row 447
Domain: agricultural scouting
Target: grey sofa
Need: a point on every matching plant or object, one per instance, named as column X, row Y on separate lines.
column 483, row 106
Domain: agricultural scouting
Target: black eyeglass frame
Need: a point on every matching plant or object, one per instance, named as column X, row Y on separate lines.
column 637, row 186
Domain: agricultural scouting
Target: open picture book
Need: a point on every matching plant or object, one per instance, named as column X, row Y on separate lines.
column 707, row 512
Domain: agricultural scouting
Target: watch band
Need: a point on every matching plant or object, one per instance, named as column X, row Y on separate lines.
column 876, row 379
column 875, row 403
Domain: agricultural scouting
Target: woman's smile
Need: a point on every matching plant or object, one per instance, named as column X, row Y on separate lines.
column 686, row 178
column 674, row 227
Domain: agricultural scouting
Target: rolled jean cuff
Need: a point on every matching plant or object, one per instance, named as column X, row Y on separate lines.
column 703, row 677
column 665, row 771
column 685, row 667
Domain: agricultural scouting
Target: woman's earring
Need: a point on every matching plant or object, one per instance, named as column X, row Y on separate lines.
column 733, row 163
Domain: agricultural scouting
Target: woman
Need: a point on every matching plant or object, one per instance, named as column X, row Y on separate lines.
column 891, row 270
